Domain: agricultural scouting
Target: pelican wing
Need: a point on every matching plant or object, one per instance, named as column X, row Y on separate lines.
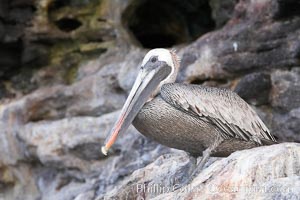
column 222, row 108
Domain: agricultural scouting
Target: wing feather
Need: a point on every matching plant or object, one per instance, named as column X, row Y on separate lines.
column 223, row 108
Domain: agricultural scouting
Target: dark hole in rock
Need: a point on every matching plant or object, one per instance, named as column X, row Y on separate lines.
column 100, row 19
column 198, row 81
column 287, row 9
column 68, row 24
column 10, row 59
column 58, row 4
column 33, row 8
column 157, row 40
column 156, row 23
column 210, row 82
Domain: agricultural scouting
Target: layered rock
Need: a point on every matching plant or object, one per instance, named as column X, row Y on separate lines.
column 68, row 67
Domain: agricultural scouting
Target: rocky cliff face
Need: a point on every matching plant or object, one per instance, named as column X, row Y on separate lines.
column 67, row 67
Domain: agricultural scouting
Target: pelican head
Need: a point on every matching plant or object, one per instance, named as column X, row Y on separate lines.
column 159, row 66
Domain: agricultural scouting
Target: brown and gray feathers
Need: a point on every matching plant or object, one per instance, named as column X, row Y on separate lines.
column 220, row 107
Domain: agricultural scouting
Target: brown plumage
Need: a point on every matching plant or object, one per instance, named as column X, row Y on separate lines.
column 197, row 119
column 190, row 117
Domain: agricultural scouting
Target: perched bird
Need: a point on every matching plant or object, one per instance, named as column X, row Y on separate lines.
column 203, row 121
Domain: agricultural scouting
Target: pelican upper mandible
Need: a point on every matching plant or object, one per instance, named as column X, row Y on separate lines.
column 200, row 120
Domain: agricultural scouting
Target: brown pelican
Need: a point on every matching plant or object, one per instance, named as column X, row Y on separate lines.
column 200, row 120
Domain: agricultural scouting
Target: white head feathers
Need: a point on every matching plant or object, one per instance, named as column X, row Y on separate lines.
column 168, row 56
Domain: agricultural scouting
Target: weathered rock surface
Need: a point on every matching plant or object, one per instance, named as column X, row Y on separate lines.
column 271, row 172
column 255, row 88
column 67, row 67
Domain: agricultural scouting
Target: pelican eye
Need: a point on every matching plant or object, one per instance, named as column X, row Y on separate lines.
column 153, row 59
